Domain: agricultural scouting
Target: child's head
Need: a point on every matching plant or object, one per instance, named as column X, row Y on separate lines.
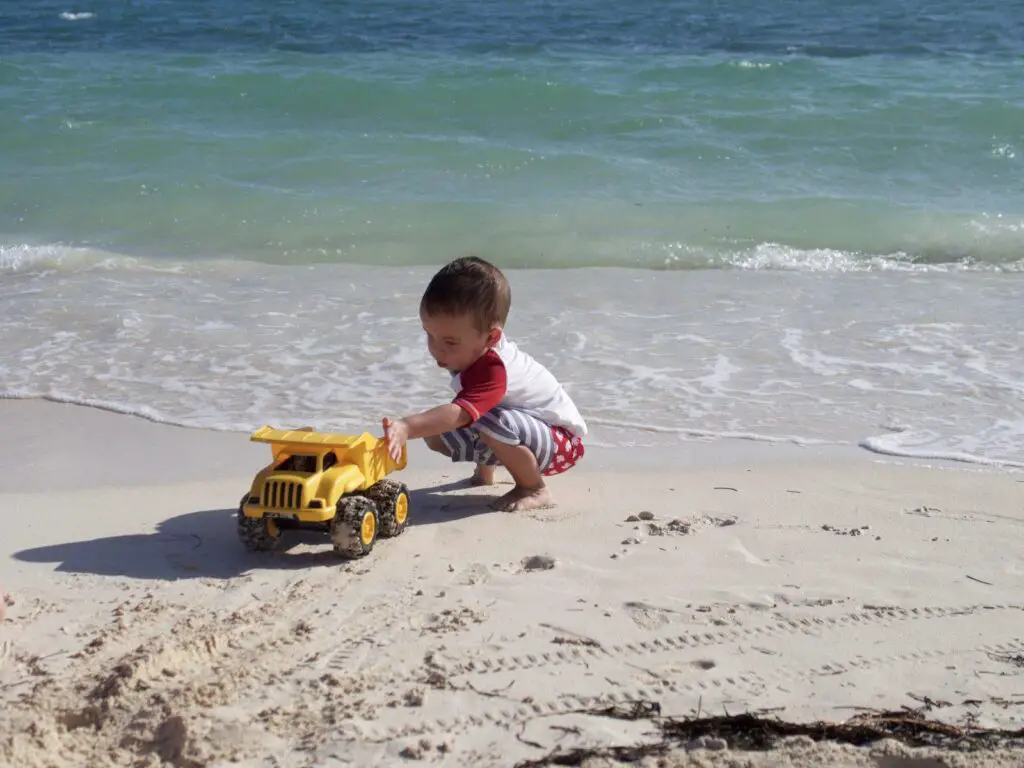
column 464, row 310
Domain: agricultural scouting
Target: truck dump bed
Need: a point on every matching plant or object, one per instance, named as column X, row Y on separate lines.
column 367, row 452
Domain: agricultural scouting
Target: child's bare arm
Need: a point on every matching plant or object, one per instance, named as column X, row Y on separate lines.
column 436, row 421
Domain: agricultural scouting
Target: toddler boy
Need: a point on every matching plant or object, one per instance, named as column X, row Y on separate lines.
column 508, row 410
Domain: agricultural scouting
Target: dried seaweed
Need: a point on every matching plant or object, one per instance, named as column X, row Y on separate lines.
column 753, row 732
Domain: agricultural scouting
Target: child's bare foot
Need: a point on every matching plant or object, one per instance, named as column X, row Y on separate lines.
column 483, row 475
column 521, row 499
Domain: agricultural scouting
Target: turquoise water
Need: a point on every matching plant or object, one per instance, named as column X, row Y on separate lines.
column 682, row 134
column 799, row 221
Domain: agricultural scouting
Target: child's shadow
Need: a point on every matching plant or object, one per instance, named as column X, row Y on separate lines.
column 204, row 544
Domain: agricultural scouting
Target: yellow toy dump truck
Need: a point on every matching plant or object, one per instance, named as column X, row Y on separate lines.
column 324, row 482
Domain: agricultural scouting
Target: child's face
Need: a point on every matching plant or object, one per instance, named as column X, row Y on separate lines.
column 454, row 341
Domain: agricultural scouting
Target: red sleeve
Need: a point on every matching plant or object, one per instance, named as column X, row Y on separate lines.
column 483, row 386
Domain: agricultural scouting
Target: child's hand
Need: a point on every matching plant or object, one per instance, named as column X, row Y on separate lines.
column 396, row 433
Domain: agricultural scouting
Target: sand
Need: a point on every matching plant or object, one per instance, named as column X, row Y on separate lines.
column 813, row 585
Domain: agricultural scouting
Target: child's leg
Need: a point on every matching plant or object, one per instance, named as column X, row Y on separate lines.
column 530, row 492
column 524, row 445
column 464, row 445
column 436, row 444
column 483, row 474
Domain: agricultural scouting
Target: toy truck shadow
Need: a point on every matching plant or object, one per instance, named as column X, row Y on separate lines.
column 329, row 483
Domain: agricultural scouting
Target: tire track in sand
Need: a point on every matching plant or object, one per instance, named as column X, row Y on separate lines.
column 393, row 673
column 583, row 654
column 491, row 709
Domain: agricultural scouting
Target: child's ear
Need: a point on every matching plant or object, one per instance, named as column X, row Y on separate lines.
column 494, row 337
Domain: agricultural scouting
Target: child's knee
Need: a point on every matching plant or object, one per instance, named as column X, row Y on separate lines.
column 435, row 443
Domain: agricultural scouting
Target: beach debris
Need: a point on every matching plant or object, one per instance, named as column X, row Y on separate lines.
column 538, row 563
column 760, row 731
column 435, row 676
column 632, row 519
column 847, row 531
column 92, row 647
column 1016, row 660
column 928, row 702
column 584, row 641
column 632, row 539
column 569, row 637
column 986, row 583
column 678, row 526
column 725, row 488
column 645, row 515
column 451, row 620
column 414, row 697
column 415, row 751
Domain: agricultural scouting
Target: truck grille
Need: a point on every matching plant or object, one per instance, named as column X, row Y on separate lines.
column 282, row 494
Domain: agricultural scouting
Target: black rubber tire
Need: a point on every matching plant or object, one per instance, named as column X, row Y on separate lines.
column 347, row 526
column 386, row 495
column 255, row 533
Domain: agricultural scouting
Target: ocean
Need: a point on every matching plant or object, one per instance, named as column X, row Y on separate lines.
column 797, row 222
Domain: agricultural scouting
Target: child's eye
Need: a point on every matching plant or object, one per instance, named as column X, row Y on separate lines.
column 451, row 344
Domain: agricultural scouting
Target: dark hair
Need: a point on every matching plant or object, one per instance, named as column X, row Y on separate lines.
column 469, row 286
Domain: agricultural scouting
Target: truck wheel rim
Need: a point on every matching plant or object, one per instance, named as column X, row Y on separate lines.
column 401, row 508
column 368, row 528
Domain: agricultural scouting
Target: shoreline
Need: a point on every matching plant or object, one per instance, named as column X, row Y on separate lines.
column 654, row 360
column 788, row 579
column 207, row 454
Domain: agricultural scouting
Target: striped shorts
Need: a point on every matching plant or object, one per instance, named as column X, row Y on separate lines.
column 555, row 449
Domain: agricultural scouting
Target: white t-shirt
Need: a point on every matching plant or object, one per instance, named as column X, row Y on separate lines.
column 507, row 376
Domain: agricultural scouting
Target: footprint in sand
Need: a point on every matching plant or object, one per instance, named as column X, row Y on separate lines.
column 648, row 616
column 477, row 573
column 553, row 514
column 683, row 526
column 942, row 514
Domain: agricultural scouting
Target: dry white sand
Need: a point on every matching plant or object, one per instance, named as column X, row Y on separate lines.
column 138, row 632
